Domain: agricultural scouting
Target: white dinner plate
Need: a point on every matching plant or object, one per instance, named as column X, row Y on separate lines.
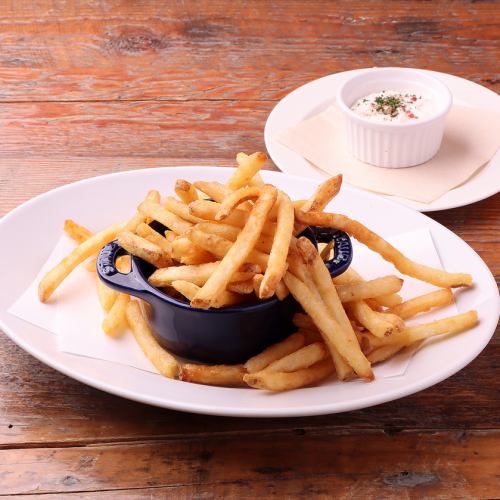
column 29, row 233
column 314, row 97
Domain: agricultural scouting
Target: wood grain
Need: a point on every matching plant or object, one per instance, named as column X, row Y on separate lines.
column 229, row 50
column 99, row 86
column 444, row 464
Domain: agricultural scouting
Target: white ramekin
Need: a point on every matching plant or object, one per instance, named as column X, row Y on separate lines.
column 393, row 144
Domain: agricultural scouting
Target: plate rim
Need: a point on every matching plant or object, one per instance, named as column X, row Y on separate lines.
column 236, row 411
column 270, row 142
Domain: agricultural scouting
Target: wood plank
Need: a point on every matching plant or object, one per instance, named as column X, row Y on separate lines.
column 201, row 129
column 444, row 464
column 229, row 50
column 63, row 412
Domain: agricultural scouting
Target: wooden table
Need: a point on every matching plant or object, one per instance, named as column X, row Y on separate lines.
column 88, row 88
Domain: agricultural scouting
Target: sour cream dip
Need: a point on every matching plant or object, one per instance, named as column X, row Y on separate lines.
column 394, row 106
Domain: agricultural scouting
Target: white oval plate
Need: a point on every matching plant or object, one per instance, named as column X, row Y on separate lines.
column 29, row 233
column 314, row 97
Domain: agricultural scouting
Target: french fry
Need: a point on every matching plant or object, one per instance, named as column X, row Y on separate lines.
column 450, row 325
column 423, row 303
column 277, row 263
column 248, row 167
column 275, row 352
column 214, row 190
column 208, row 210
column 263, row 244
column 241, row 287
column 376, row 243
column 325, row 252
column 383, row 353
column 220, row 247
column 238, row 252
column 220, row 375
column 181, row 210
column 76, row 231
column 231, row 201
column 185, row 191
column 155, row 211
column 198, row 274
column 224, row 299
column 124, row 264
column 282, row 381
column 186, row 252
column 328, row 294
column 257, row 181
column 304, row 322
column 303, row 358
column 164, row 362
column 140, row 247
column 325, row 192
column 115, row 321
column 281, row 291
column 90, row 265
column 147, row 232
column 55, row 276
column 337, row 338
column 390, row 300
column 106, row 295
column 373, row 321
column 369, row 289
column 138, row 218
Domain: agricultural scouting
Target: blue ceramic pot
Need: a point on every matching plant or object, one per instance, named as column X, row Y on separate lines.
column 223, row 336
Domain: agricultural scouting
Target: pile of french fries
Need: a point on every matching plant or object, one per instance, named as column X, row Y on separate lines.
column 239, row 242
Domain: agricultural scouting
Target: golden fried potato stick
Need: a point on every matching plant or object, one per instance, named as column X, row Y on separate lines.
column 214, row 190
column 208, row 210
column 198, row 274
column 231, row 201
column 373, row 321
column 144, row 249
column 248, row 168
column 264, row 243
column 281, row 291
column 350, row 277
column 147, row 232
column 336, row 337
column 185, row 191
column 325, row 193
column 115, row 321
column 106, row 295
column 224, row 299
column 376, row 243
column 152, row 196
column 220, row 375
column 239, row 251
column 76, row 231
column 369, row 289
column 257, row 181
column 155, row 211
column 186, row 252
column 303, row 358
column 220, row 247
column 383, row 353
column 277, row 263
column 55, row 276
column 181, row 210
column 304, row 322
column 241, row 287
column 390, row 300
column 281, row 381
column 164, row 362
column 275, row 352
column 424, row 303
column 450, row 325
